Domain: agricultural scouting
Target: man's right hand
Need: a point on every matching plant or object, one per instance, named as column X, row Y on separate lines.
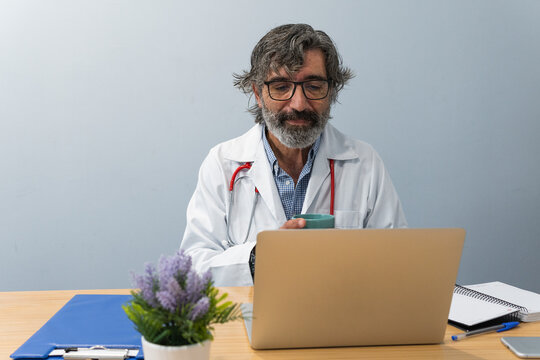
column 294, row 224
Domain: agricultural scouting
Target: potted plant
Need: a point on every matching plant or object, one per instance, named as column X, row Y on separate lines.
column 175, row 308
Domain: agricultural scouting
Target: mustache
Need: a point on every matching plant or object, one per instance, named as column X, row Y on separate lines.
column 310, row 116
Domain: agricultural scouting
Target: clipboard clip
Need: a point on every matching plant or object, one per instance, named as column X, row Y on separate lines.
column 95, row 352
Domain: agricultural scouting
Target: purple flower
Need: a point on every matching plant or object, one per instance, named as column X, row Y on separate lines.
column 171, row 296
column 207, row 277
column 176, row 266
column 185, row 265
column 167, row 299
column 200, row 309
column 174, row 284
column 148, row 284
column 194, row 286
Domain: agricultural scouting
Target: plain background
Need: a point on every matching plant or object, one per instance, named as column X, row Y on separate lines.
column 107, row 109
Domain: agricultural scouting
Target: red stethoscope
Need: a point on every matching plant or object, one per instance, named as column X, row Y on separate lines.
column 247, row 166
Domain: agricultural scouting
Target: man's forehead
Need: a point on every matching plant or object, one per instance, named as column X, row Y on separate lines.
column 282, row 72
column 314, row 65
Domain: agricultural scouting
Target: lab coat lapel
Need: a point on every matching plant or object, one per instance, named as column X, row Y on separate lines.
column 249, row 148
column 319, row 172
column 336, row 146
column 264, row 181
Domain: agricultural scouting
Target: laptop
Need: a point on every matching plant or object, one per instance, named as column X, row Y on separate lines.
column 358, row 287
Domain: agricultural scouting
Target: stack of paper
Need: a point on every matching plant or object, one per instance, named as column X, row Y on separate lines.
column 524, row 298
column 471, row 311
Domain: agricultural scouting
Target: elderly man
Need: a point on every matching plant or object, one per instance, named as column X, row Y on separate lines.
column 292, row 161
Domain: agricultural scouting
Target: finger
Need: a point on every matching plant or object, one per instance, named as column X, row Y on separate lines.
column 294, row 224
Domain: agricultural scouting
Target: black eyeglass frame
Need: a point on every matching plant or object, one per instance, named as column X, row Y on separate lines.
column 296, row 83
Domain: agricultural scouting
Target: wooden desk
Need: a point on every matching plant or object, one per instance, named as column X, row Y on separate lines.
column 22, row 313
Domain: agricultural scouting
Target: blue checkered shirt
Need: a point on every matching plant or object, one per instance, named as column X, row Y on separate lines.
column 292, row 198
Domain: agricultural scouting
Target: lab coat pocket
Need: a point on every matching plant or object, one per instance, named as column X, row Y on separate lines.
column 346, row 219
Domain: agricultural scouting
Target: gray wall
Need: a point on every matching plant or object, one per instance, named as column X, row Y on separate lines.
column 107, row 109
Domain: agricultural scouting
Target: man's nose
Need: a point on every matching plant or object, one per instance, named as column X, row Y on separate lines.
column 299, row 101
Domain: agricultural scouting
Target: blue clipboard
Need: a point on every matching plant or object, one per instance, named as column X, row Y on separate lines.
column 84, row 321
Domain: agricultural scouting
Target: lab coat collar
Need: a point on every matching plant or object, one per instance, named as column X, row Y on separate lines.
column 334, row 145
column 245, row 147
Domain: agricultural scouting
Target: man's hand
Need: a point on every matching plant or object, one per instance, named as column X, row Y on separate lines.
column 294, row 224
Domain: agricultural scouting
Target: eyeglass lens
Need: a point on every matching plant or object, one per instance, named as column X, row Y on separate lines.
column 284, row 90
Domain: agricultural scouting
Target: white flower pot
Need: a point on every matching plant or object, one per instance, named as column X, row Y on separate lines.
column 199, row 351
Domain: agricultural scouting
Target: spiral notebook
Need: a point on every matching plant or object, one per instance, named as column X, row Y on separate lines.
column 481, row 305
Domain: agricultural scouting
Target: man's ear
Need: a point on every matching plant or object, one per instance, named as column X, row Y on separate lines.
column 257, row 95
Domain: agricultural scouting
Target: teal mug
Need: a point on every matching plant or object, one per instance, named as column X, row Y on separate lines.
column 317, row 221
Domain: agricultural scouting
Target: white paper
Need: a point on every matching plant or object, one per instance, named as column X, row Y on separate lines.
column 471, row 311
column 512, row 294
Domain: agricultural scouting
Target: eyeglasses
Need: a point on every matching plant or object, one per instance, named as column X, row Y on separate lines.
column 283, row 90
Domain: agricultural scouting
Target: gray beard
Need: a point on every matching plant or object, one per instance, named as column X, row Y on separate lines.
column 296, row 137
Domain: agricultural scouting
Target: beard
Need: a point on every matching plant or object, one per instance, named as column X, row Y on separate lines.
column 295, row 136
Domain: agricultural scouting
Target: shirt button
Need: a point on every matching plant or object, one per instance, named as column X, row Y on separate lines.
column 288, row 182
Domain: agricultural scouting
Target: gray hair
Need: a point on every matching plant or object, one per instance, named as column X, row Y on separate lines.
column 284, row 47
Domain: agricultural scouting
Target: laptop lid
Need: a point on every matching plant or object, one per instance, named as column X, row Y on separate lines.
column 336, row 287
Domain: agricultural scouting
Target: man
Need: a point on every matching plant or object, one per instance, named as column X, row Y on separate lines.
column 284, row 165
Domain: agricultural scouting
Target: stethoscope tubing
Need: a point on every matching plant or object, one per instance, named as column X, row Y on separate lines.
column 228, row 241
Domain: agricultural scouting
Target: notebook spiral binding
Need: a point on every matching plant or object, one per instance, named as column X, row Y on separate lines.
column 462, row 290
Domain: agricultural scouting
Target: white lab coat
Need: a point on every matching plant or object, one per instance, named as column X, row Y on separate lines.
column 364, row 198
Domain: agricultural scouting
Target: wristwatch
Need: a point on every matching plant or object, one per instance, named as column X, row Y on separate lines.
column 252, row 262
